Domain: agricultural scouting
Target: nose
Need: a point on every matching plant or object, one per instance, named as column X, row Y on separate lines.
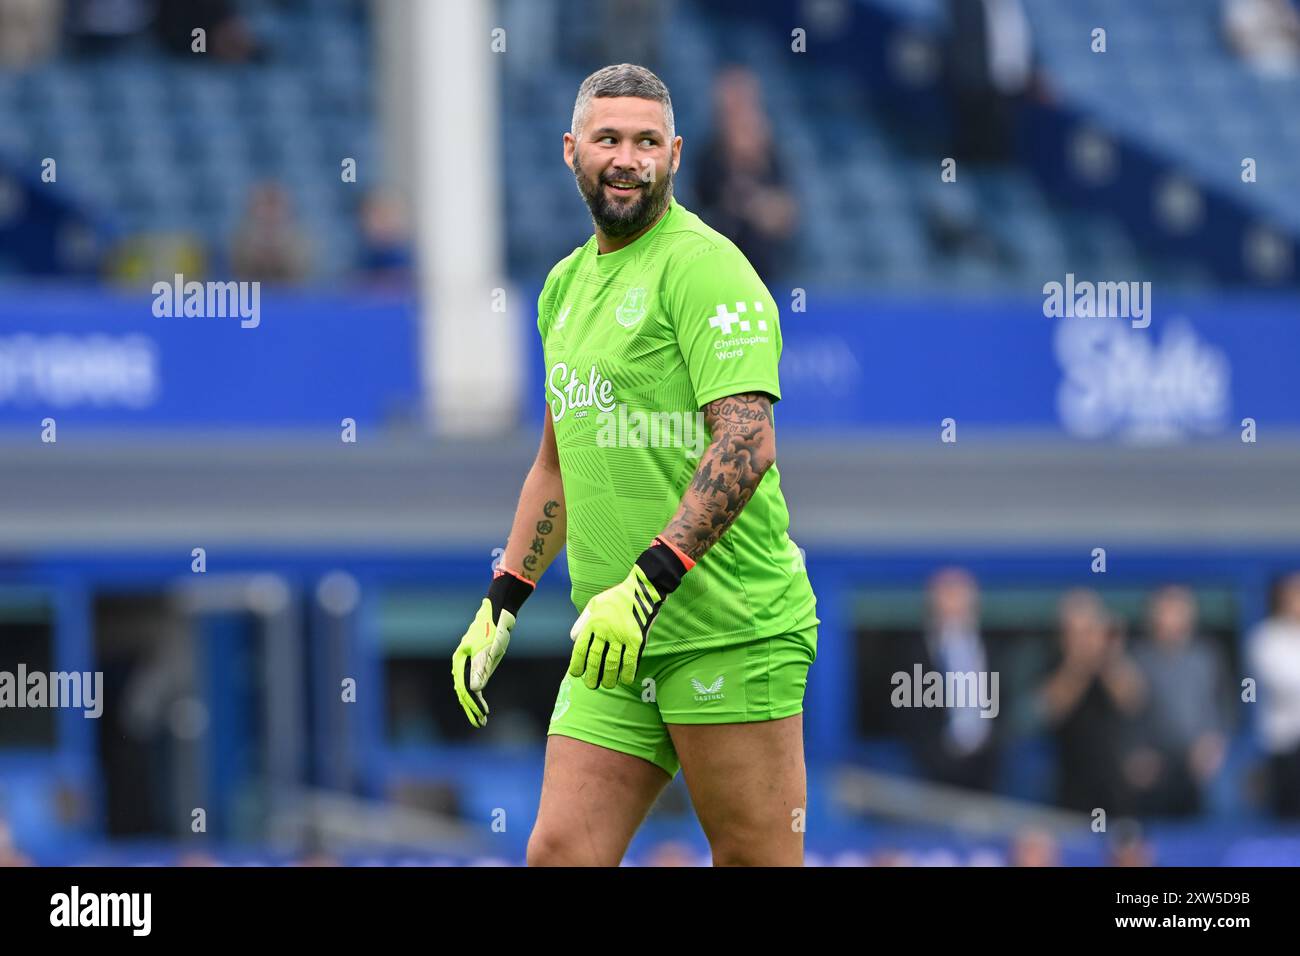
column 625, row 157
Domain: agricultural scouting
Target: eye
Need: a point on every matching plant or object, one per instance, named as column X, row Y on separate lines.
column 648, row 142
column 605, row 139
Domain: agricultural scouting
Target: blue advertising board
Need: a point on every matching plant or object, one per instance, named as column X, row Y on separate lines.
column 1190, row 368
column 98, row 358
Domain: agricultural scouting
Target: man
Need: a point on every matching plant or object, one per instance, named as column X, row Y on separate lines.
column 1182, row 731
column 1274, row 653
column 953, row 745
column 658, row 317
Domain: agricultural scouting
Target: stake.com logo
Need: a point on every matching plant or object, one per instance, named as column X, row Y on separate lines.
column 572, row 391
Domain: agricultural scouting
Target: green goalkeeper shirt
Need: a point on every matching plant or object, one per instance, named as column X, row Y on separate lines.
column 636, row 342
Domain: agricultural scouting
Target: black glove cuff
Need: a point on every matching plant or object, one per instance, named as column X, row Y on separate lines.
column 508, row 593
column 662, row 567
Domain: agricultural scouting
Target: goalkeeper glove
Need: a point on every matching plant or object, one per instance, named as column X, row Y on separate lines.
column 610, row 634
column 485, row 643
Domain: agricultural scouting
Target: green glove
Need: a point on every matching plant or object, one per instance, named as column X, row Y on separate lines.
column 612, row 629
column 485, row 643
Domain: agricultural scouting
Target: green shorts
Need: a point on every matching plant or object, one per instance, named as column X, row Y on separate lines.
column 761, row 680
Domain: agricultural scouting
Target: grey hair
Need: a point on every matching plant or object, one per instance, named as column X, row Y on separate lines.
column 622, row 79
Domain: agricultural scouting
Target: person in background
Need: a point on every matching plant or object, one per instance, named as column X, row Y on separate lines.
column 990, row 70
column 1128, row 845
column 953, row 745
column 269, row 246
column 1089, row 701
column 1181, row 739
column 228, row 36
column 1034, row 846
column 10, row 855
column 103, row 27
column 741, row 186
column 385, row 254
column 29, row 32
column 632, row 30
column 1273, row 652
column 1265, row 34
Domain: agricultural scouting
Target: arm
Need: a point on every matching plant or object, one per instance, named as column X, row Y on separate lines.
column 541, row 523
column 536, row 537
column 1121, row 679
column 741, row 450
column 1063, row 691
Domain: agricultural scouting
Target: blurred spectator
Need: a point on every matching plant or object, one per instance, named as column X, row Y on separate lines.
column 1181, row 741
column 1128, row 845
column 228, row 36
column 385, row 243
column 990, row 67
column 1265, row 34
column 9, row 854
column 1274, row 654
column 139, row 260
column 1034, row 847
column 1089, row 701
column 740, row 186
column 105, row 26
column 952, row 745
column 628, row 31
column 29, row 31
column 269, row 246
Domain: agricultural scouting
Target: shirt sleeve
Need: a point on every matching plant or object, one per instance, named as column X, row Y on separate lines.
column 726, row 324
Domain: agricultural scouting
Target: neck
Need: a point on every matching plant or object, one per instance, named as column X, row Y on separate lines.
column 606, row 243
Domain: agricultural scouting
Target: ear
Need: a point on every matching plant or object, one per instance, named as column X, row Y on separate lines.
column 570, row 145
column 677, row 153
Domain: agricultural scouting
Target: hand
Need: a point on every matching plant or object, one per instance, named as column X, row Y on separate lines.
column 611, row 631
column 484, row 644
column 1206, row 756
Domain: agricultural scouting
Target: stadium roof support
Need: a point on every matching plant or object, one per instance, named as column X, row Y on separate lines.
column 441, row 111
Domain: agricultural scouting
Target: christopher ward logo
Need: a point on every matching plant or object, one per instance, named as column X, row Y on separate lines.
column 946, row 689
column 209, row 300
column 1102, row 300
column 71, row 689
column 726, row 320
column 75, row 908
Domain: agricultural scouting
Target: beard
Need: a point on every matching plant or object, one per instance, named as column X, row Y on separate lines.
column 618, row 220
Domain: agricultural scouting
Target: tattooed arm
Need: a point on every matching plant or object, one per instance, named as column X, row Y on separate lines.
column 541, row 522
column 742, row 448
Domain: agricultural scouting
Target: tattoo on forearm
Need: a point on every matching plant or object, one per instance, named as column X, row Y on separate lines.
column 541, row 540
column 741, row 451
